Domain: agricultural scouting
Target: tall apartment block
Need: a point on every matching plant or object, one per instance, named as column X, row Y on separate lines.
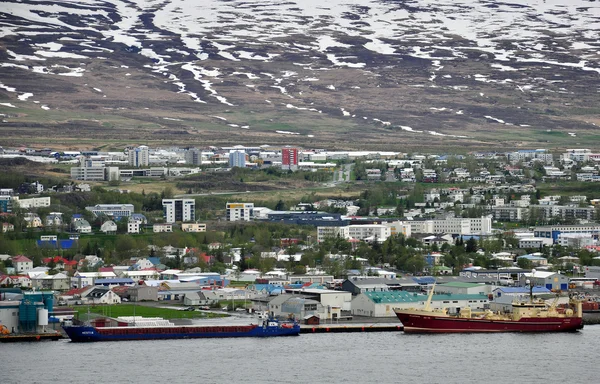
column 179, row 210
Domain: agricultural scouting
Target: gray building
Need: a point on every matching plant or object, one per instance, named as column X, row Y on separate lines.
column 143, row 293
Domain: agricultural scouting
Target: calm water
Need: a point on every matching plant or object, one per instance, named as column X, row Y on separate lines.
column 313, row 358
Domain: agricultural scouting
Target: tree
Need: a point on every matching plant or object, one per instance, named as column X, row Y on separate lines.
column 524, row 263
column 471, row 246
column 280, row 206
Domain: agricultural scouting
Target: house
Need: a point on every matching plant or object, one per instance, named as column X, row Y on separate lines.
column 7, row 227
column 110, row 283
column 82, row 279
column 109, row 227
column 54, row 219
column 20, row 281
column 82, row 226
column 133, row 227
column 535, row 258
column 101, row 295
column 162, row 227
column 193, row 227
column 58, row 282
column 33, row 220
column 22, row 263
column 60, row 263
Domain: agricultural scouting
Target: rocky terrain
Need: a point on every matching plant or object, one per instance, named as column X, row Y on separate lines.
column 355, row 74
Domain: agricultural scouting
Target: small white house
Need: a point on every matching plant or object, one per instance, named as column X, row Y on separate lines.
column 109, row 227
column 162, row 227
column 133, row 227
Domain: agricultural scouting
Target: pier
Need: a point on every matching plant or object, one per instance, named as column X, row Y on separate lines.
column 353, row 327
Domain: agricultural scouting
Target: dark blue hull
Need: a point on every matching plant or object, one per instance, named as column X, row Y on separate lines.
column 82, row 333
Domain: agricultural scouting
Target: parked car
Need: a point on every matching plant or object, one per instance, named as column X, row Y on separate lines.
column 189, row 309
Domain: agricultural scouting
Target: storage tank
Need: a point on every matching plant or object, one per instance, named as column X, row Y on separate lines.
column 27, row 316
column 42, row 316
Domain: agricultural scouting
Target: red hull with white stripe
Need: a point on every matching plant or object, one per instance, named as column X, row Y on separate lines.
column 429, row 322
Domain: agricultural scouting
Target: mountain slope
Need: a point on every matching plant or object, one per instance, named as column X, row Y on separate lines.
column 353, row 74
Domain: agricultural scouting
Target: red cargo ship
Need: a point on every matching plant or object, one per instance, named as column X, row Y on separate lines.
column 531, row 316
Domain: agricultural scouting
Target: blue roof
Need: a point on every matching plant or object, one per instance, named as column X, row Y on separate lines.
column 154, row 260
column 531, row 257
column 77, row 216
column 424, row 280
column 64, row 244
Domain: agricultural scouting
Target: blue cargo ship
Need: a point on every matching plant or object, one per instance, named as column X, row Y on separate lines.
column 163, row 329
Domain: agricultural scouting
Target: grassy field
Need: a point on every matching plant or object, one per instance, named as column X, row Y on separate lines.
column 118, row 310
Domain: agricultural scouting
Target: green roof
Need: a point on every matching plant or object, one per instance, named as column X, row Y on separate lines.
column 458, row 284
column 409, row 297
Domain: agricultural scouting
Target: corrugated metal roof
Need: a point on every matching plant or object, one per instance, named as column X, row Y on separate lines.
column 408, row 297
column 458, row 284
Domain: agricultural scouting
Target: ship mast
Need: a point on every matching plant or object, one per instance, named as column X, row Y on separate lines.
column 429, row 298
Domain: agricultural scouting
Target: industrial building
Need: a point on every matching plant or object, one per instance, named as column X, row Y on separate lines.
column 382, row 304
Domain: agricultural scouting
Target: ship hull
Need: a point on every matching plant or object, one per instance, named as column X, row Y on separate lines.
column 89, row 333
column 430, row 323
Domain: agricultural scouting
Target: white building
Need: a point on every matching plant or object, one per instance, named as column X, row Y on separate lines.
column 162, row 227
column 239, row 211
column 193, row 227
column 133, row 226
column 534, row 242
column 36, row 202
column 139, row 157
column 112, row 210
column 463, row 226
column 179, row 210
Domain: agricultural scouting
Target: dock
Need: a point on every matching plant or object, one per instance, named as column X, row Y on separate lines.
column 353, row 327
column 13, row 338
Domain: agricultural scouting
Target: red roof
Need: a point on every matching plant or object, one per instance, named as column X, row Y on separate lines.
column 21, row 259
column 106, row 269
column 59, row 260
column 77, row 291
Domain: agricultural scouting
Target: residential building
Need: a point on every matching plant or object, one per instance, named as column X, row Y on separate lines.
column 36, row 202
column 82, row 226
column 33, row 220
column 193, row 227
column 54, row 219
column 237, row 159
column 139, row 157
column 463, row 226
column 6, row 204
column 162, row 227
column 534, row 242
column 567, row 212
column 536, row 259
column 109, row 227
column 179, row 210
column 133, row 226
column 22, row 263
column 289, row 158
column 7, row 227
column 508, row 213
column 114, row 211
column 239, row 211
